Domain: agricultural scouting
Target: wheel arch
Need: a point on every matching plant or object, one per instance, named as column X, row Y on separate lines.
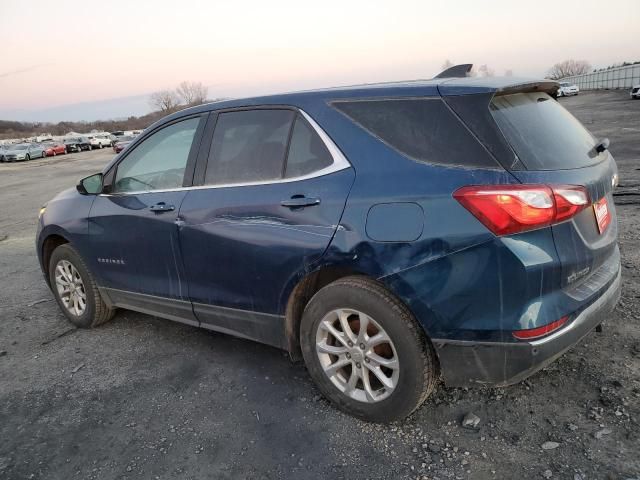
column 49, row 244
column 299, row 297
column 309, row 285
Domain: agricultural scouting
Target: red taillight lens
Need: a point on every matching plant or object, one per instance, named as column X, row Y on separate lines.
column 507, row 209
column 533, row 333
column 569, row 201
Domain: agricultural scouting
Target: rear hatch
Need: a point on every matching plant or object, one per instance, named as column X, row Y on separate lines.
column 545, row 144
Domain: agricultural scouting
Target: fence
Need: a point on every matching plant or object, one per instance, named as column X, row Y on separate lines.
column 618, row 77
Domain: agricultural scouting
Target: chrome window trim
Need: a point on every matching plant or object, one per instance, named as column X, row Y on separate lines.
column 340, row 162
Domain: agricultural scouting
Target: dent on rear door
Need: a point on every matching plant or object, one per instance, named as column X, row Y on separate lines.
column 242, row 249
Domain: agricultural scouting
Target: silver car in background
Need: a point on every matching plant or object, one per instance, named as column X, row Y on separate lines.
column 567, row 89
column 23, row 151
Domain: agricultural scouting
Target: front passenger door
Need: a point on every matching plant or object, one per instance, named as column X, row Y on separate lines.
column 133, row 229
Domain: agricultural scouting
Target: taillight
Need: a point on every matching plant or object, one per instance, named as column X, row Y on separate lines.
column 507, row 209
column 533, row 333
column 569, row 201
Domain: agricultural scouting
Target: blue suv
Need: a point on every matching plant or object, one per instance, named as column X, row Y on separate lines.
column 390, row 234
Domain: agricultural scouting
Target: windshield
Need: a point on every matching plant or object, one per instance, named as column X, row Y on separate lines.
column 21, row 147
column 542, row 132
column 126, row 138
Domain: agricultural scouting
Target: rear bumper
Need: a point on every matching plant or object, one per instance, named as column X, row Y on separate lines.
column 468, row 363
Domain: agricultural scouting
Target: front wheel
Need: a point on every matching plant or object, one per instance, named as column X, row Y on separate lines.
column 366, row 352
column 27, row 157
column 75, row 289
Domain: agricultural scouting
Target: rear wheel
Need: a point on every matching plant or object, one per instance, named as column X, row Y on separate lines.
column 75, row 289
column 366, row 352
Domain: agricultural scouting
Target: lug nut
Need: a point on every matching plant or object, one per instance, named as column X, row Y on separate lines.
column 348, row 355
column 362, row 346
column 367, row 360
column 350, row 344
column 358, row 365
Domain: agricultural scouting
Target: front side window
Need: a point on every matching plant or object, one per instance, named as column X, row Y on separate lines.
column 248, row 146
column 159, row 161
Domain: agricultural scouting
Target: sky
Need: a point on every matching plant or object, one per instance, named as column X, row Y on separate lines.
column 88, row 60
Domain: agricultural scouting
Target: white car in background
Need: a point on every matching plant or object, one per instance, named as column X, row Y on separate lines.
column 99, row 140
column 567, row 89
column 635, row 92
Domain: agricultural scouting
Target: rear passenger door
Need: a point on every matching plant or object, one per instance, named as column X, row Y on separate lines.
column 273, row 188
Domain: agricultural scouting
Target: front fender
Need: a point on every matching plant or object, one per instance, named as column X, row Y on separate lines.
column 65, row 216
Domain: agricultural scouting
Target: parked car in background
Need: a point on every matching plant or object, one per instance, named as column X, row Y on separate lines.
column 115, row 137
column 122, row 143
column 77, row 144
column 635, row 92
column 51, row 149
column 567, row 89
column 24, row 151
column 99, row 140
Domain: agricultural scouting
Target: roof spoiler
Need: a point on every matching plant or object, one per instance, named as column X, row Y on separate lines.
column 457, row 71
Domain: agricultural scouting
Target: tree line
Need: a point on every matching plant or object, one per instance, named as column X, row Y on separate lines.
column 186, row 94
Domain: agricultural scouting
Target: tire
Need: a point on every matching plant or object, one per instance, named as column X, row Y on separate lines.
column 101, row 146
column 416, row 372
column 27, row 157
column 54, row 153
column 95, row 310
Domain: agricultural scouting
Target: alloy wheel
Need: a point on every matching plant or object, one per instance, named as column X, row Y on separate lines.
column 357, row 355
column 70, row 288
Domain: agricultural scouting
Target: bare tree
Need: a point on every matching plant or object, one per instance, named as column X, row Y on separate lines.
column 192, row 93
column 164, row 100
column 568, row 68
column 508, row 73
column 485, row 71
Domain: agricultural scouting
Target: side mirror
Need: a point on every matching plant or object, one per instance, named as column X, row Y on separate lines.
column 91, row 185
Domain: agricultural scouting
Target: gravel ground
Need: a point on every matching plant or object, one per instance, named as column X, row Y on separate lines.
column 143, row 397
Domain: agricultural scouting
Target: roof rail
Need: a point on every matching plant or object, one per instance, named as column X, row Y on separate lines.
column 456, row 71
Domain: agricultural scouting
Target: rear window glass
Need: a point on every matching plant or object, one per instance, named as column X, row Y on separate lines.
column 542, row 132
column 307, row 152
column 422, row 129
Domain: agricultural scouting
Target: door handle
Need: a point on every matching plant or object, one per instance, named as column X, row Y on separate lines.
column 300, row 201
column 161, row 207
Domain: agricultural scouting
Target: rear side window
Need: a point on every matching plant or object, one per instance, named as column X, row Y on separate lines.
column 422, row 129
column 542, row 132
column 307, row 152
column 249, row 146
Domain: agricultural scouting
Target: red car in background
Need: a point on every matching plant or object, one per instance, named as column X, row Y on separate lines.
column 122, row 143
column 53, row 149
